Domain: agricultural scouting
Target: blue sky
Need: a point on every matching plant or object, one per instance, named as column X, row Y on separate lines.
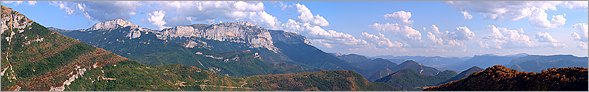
column 367, row 28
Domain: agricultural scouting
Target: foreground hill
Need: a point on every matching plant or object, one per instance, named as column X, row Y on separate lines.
column 326, row 80
column 371, row 69
column 463, row 74
column 37, row 59
column 500, row 78
column 408, row 79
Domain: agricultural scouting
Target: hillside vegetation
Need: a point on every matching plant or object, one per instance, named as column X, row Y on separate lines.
column 500, row 78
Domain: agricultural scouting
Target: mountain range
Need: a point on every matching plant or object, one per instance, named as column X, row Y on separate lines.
column 233, row 48
column 118, row 55
column 536, row 63
column 522, row 61
column 36, row 58
column 442, row 63
column 408, row 75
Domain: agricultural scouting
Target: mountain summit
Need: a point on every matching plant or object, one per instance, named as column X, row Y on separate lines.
column 112, row 24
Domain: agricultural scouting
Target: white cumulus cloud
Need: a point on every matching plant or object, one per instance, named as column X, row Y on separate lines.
column 186, row 12
column 463, row 33
column 576, row 4
column 181, row 12
column 157, row 18
column 20, row 2
column 545, row 37
column 581, row 34
column 307, row 17
column 454, row 38
column 506, row 38
column 538, row 18
column 581, row 28
column 312, row 27
column 381, row 40
column 535, row 11
column 400, row 15
column 403, row 30
column 466, row 15
column 100, row 11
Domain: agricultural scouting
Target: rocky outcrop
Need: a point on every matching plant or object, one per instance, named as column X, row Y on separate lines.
column 239, row 32
column 112, row 24
column 14, row 20
column 135, row 30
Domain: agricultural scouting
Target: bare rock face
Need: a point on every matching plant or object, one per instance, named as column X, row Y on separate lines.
column 112, row 24
column 135, row 31
column 239, row 32
column 14, row 20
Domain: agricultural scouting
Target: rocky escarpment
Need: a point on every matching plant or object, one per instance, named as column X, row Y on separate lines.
column 239, row 32
column 135, row 30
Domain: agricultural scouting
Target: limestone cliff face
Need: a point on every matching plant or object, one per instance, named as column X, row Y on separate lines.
column 239, row 32
column 13, row 20
column 134, row 30
column 112, row 24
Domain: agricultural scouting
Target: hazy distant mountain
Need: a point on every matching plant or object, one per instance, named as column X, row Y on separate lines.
column 486, row 60
column 438, row 62
column 411, row 75
column 419, row 68
column 463, row 74
column 500, row 78
column 371, row 69
column 536, row 63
